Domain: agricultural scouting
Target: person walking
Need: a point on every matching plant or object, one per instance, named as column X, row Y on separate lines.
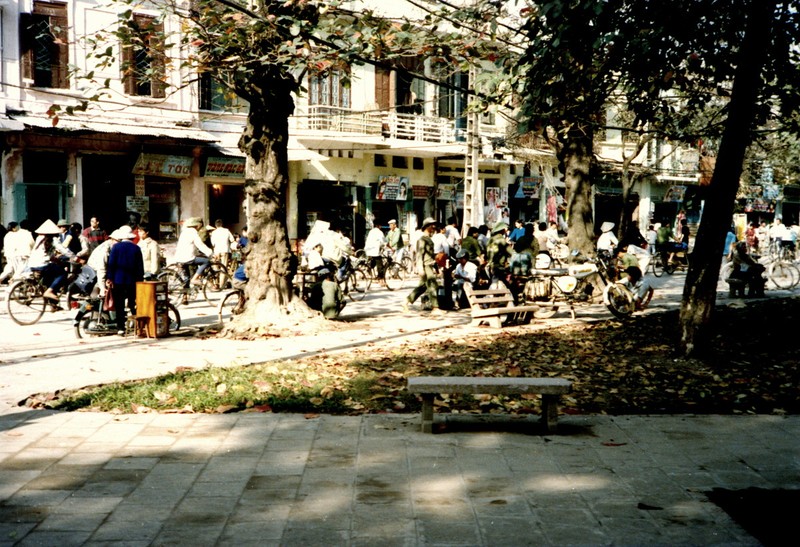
column 221, row 240
column 125, row 268
column 426, row 266
column 373, row 247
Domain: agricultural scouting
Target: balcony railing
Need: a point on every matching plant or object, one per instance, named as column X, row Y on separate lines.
column 378, row 123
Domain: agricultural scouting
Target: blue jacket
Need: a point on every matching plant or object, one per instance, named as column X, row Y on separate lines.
column 125, row 264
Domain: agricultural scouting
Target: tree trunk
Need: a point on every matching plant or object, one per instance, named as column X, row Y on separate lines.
column 700, row 290
column 270, row 265
column 576, row 159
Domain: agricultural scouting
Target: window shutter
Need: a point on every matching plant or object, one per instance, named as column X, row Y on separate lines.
column 128, row 69
column 59, row 27
column 26, row 41
column 382, row 88
column 158, row 83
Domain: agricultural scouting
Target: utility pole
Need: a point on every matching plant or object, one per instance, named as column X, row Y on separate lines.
column 473, row 204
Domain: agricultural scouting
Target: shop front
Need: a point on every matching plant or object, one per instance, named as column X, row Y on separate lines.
column 525, row 198
column 224, row 179
column 390, row 200
column 156, row 193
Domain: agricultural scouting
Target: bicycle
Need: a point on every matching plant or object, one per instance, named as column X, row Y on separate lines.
column 783, row 274
column 214, row 279
column 231, row 305
column 354, row 282
column 98, row 322
column 26, row 302
column 620, row 298
column 392, row 273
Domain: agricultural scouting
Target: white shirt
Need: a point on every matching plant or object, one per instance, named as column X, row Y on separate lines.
column 440, row 243
column 374, row 243
column 453, row 236
column 221, row 239
column 469, row 271
column 607, row 241
column 189, row 243
column 18, row 243
column 98, row 261
column 150, row 253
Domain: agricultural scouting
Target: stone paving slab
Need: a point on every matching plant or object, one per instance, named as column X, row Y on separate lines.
column 283, row 479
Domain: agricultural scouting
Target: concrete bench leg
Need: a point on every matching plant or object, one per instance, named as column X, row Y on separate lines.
column 550, row 413
column 427, row 412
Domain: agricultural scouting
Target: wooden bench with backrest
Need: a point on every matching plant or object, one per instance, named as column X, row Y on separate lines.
column 549, row 388
column 489, row 305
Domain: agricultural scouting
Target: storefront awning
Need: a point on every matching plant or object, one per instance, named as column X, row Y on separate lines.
column 7, row 124
column 296, row 151
column 123, row 126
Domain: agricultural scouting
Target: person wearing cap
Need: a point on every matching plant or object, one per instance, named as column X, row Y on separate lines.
column 426, row 266
column 497, row 253
column 394, row 241
column 607, row 242
column 125, row 268
column 465, row 272
column 46, row 259
column 190, row 247
column 63, row 230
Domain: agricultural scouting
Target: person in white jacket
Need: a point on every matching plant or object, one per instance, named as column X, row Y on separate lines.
column 190, row 247
column 221, row 240
column 17, row 246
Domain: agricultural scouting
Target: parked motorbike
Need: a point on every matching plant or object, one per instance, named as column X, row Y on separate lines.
column 576, row 284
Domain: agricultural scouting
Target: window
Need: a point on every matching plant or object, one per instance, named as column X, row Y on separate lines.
column 219, row 98
column 380, row 160
column 419, row 163
column 399, row 162
column 329, row 89
column 143, row 58
column 44, row 45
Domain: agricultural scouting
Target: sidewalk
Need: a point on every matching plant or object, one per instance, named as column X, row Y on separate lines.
column 284, row 479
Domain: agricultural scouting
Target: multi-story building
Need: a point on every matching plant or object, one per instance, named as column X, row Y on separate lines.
column 385, row 147
column 388, row 146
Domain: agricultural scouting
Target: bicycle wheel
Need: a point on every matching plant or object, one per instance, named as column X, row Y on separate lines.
column 94, row 323
column 175, row 288
column 619, row 300
column 658, row 266
column 357, row 285
column 783, row 275
column 25, row 302
column 231, row 305
column 394, row 276
column 407, row 264
column 174, row 318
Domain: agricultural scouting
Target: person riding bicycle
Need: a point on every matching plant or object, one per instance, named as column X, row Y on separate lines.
column 394, row 241
column 189, row 249
column 45, row 258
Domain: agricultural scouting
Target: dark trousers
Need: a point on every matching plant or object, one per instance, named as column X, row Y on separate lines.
column 124, row 294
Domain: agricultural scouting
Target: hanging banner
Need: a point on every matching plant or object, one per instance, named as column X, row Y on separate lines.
column 528, row 187
column 496, row 208
column 675, row 194
column 446, row 192
column 392, row 188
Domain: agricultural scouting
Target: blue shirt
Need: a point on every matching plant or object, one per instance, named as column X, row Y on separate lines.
column 730, row 239
column 516, row 233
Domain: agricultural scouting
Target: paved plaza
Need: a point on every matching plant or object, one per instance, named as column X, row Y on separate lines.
column 292, row 479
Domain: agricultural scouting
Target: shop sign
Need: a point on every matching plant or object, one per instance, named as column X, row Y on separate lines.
column 164, row 166
column 225, row 167
column 392, row 188
column 529, row 187
column 138, row 185
column 421, row 192
column 139, row 204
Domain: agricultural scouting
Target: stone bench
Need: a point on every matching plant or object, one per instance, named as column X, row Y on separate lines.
column 550, row 389
column 490, row 305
